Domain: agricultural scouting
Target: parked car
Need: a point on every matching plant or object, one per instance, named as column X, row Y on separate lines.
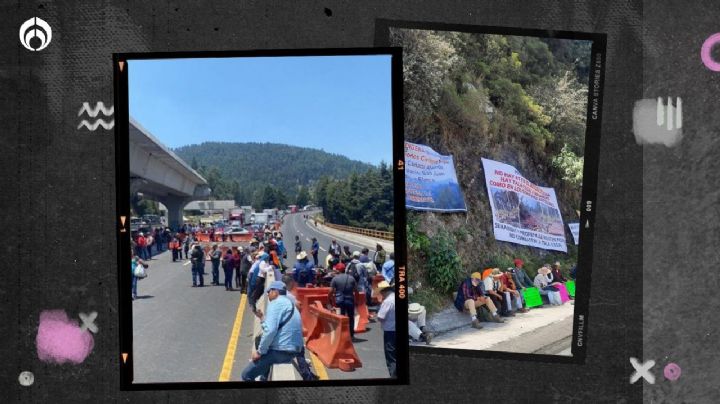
column 237, row 230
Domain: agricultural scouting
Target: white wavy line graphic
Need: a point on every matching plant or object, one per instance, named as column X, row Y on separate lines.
column 98, row 107
column 99, row 122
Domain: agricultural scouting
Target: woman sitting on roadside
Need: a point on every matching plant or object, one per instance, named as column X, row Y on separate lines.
column 543, row 281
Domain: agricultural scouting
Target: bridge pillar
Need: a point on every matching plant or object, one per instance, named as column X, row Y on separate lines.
column 175, row 206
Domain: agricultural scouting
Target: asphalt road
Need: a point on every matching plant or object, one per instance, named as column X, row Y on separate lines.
column 185, row 334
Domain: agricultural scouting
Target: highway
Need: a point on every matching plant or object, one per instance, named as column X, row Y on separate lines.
column 186, row 334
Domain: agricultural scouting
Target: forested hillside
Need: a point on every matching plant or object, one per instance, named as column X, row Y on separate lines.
column 517, row 100
column 265, row 175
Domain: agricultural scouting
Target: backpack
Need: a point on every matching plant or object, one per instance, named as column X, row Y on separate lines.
column 353, row 271
column 460, row 298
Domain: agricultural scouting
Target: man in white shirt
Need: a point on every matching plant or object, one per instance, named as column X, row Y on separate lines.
column 386, row 315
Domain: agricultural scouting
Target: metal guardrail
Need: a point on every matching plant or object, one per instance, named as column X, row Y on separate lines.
column 386, row 235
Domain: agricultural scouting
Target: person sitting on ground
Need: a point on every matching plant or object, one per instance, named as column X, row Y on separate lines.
column 520, row 277
column 388, row 269
column 303, row 272
column 491, row 283
column 556, row 274
column 416, row 323
column 282, row 339
column 471, row 297
column 507, row 287
column 342, row 295
column 544, row 286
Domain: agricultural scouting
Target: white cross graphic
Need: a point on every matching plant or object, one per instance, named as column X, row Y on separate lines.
column 642, row 371
column 88, row 322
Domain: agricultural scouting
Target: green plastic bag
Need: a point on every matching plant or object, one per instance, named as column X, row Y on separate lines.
column 570, row 286
column 532, row 297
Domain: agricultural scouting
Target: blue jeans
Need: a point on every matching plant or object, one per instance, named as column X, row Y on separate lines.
column 228, row 277
column 348, row 309
column 197, row 274
column 390, row 354
column 134, row 286
column 216, row 272
column 264, row 364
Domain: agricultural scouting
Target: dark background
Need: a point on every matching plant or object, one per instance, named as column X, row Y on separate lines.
column 58, row 198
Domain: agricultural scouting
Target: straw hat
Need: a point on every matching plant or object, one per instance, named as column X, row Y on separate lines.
column 383, row 285
column 302, row 255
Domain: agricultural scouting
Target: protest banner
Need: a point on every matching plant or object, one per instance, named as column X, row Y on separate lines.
column 430, row 181
column 575, row 230
column 523, row 212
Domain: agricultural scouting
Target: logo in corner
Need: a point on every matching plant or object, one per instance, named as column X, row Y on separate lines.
column 35, row 28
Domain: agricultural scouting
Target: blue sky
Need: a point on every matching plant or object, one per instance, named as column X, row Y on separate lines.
column 341, row 104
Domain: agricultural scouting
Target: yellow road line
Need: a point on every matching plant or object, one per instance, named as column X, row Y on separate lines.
column 318, row 366
column 232, row 344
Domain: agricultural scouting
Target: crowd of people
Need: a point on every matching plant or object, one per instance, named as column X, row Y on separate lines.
column 493, row 294
column 246, row 268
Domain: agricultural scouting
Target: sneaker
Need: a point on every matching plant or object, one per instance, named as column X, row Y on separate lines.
column 476, row 324
column 523, row 310
column 497, row 319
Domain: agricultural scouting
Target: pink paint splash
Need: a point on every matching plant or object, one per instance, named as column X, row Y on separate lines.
column 61, row 340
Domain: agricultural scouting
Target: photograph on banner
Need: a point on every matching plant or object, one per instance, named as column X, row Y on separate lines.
column 260, row 226
column 504, row 115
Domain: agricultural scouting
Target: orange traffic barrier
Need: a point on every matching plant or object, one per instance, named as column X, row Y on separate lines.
column 300, row 292
column 362, row 315
column 330, row 339
column 308, row 320
column 203, row 237
column 377, row 297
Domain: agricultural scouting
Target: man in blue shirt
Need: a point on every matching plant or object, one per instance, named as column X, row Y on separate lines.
column 282, row 338
column 388, row 269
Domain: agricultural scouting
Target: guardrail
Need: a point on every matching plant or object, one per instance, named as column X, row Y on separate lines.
column 385, row 235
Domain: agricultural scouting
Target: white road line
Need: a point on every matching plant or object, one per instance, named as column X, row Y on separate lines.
column 322, row 249
column 187, row 263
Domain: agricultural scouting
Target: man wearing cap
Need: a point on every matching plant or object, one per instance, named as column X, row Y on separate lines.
column 388, row 269
column 304, row 271
column 386, row 315
column 471, row 297
column 507, row 286
column 521, row 278
column 416, row 323
column 342, row 293
column 281, row 340
column 215, row 256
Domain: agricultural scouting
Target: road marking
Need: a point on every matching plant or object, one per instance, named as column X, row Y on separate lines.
column 322, row 249
column 318, row 366
column 187, row 263
column 232, row 344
